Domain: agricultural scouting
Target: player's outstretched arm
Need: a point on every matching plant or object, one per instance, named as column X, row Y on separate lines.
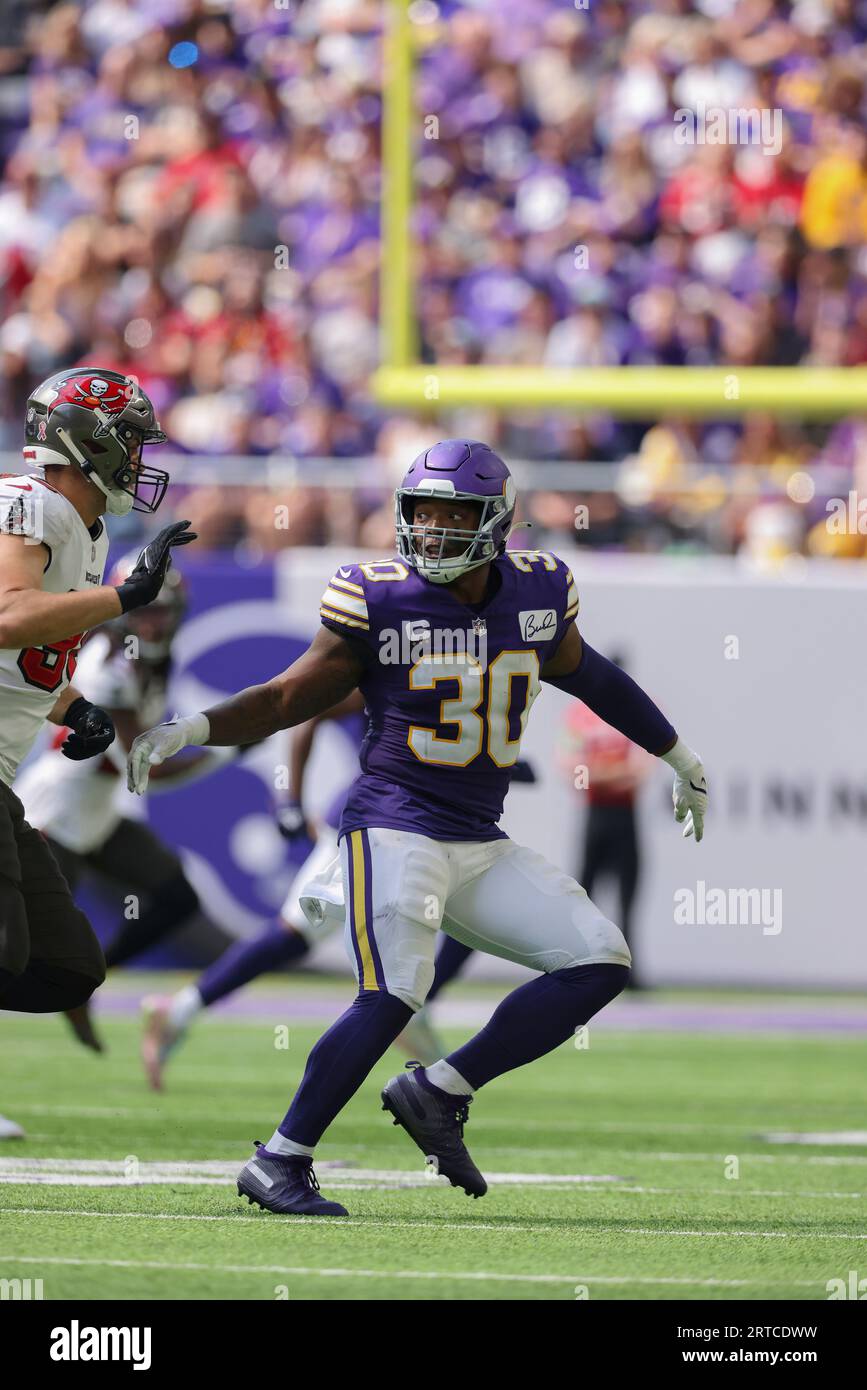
column 31, row 617
column 168, row 775
column 606, row 689
column 324, row 675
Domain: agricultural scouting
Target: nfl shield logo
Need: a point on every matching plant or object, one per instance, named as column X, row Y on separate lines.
column 479, row 625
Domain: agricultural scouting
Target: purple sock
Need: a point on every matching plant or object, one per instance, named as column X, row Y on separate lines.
column 247, row 959
column 340, row 1061
column 536, row 1018
column 450, row 958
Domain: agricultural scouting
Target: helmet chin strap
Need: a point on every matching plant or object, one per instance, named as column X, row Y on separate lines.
column 439, row 575
column 118, row 502
column 445, row 576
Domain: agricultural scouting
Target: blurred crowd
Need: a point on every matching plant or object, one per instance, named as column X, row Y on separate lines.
column 191, row 193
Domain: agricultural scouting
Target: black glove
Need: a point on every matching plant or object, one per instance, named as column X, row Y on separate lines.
column 92, row 730
column 146, row 580
column 291, row 822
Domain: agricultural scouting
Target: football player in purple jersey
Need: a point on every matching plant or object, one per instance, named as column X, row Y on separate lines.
column 449, row 643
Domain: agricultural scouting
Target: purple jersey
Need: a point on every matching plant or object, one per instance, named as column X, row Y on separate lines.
column 447, row 687
column 354, row 726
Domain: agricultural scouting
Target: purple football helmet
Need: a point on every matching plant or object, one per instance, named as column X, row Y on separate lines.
column 467, row 471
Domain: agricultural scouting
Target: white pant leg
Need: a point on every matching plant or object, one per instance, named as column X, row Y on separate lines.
column 318, row 878
column 395, row 887
column 526, row 910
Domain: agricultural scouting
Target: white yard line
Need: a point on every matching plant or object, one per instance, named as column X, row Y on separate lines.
column 131, row 1172
column 666, row 1156
column 369, row 1180
column 474, row 1275
column 341, row 1176
column 222, row 1169
column 102, row 1172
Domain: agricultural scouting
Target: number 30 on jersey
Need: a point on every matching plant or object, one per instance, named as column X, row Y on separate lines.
column 463, row 710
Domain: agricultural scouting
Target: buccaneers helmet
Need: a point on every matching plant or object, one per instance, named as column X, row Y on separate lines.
column 99, row 421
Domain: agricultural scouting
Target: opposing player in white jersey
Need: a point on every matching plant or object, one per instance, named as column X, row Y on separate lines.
column 124, row 668
column 421, row 847
column 85, row 432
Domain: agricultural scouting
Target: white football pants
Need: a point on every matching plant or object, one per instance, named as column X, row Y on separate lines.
column 393, row 890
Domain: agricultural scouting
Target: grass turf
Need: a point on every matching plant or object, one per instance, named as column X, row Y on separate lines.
column 672, row 1115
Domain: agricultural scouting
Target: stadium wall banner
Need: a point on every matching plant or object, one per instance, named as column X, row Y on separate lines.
column 762, row 673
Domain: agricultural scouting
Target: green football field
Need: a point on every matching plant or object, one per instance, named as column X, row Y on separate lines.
column 658, row 1162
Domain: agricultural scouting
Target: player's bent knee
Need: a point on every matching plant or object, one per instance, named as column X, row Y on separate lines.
column 385, row 1004
column 78, row 956
column 613, row 947
column 61, row 988
column 597, row 942
column 178, row 896
column 412, row 985
column 89, row 961
column 607, row 980
column 80, row 987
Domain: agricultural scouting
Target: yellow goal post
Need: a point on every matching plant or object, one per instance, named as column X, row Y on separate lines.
column 403, row 381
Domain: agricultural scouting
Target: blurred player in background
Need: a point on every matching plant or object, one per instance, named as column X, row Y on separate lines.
column 85, row 433
column 420, row 844
column 292, row 936
column 125, row 669
column 610, row 770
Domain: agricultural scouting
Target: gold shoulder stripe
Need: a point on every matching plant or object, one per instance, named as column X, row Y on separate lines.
column 347, row 603
column 340, row 583
column 342, row 618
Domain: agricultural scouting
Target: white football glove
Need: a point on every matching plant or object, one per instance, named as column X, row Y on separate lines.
column 690, row 789
column 164, row 741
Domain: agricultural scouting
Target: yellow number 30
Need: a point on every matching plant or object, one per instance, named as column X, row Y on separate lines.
column 431, row 747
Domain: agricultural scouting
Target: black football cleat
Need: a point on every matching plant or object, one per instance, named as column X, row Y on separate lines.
column 435, row 1121
column 81, row 1023
column 284, row 1184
